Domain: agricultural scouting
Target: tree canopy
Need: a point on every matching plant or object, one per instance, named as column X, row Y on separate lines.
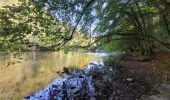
column 133, row 25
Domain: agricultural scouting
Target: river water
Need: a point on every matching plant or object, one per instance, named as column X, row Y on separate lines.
column 32, row 71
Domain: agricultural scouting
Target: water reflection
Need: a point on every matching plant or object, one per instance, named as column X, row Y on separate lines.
column 28, row 76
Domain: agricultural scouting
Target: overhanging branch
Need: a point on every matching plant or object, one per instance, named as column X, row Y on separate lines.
column 74, row 29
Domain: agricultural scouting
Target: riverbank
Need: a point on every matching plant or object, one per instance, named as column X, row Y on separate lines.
column 96, row 82
column 132, row 78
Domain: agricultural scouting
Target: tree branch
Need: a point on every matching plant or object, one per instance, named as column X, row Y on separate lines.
column 74, row 29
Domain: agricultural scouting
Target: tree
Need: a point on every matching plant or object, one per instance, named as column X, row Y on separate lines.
column 20, row 22
column 132, row 23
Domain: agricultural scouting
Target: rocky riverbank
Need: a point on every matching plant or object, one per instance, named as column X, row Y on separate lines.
column 96, row 82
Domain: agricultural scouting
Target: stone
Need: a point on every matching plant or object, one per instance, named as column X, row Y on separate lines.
column 129, row 79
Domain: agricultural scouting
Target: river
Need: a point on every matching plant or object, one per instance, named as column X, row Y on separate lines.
column 25, row 75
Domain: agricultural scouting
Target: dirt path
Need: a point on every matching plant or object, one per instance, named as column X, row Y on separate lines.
column 155, row 72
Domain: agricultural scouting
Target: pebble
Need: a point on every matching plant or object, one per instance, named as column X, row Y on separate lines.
column 129, row 79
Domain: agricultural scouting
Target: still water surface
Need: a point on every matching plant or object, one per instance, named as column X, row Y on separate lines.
column 35, row 70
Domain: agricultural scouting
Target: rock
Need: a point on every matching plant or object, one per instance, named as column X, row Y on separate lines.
column 58, row 72
column 129, row 79
column 165, row 89
column 78, row 84
column 75, row 90
column 27, row 97
column 157, row 97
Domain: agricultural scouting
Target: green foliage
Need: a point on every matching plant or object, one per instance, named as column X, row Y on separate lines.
column 31, row 24
column 22, row 22
column 130, row 25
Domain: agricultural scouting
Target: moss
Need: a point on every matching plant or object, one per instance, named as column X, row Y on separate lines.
column 163, row 66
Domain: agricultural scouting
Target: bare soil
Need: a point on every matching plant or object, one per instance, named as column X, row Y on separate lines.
column 153, row 71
